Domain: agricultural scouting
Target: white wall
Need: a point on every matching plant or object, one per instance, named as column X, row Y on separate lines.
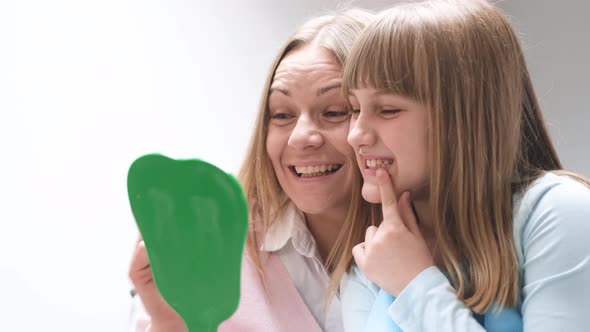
column 88, row 86
column 557, row 47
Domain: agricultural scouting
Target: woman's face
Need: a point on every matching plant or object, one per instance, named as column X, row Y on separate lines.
column 391, row 132
column 307, row 135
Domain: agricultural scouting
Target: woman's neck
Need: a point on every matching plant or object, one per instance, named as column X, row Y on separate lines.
column 325, row 228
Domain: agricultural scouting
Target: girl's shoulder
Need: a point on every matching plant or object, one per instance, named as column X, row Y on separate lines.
column 554, row 193
column 553, row 209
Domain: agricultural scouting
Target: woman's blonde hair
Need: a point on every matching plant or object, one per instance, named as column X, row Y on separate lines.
column 267, row 200
column 488, row 140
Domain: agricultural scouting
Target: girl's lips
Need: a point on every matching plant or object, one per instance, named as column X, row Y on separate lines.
column 370, row 164
column 373, row 171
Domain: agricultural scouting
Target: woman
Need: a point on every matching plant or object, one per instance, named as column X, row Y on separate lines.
column 299, row 177
column 482, row 229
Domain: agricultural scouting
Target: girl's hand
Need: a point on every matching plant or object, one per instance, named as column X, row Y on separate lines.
column 394, row 253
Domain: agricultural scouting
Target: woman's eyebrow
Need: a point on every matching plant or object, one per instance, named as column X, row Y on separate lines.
column 279, row 89
column 325, row 89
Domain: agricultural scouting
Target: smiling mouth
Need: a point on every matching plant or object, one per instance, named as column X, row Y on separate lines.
column 317, row 170
column 378, row 163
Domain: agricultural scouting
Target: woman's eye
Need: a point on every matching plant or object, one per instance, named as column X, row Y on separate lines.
column 355, row 112
column 338, row 115
column 334, row 114
column 280, row 116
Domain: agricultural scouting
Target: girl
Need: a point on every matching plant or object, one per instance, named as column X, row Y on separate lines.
column 482, row 229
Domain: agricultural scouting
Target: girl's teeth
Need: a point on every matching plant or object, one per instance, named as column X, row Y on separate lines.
column 376, row 163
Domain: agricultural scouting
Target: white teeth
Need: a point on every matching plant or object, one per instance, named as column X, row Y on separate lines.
column 376, row 163
column 314, row 170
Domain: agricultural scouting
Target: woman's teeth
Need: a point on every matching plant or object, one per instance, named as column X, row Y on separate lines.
column 316, row 170
column 378, row 163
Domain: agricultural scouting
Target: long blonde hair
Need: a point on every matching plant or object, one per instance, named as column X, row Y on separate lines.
column 488, row 140
column 267, row 201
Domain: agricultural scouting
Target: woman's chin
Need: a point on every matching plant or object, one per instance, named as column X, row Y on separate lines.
column 371, row 193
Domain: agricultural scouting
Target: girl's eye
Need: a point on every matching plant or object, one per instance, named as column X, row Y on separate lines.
column 355, row 112
column 390, row 112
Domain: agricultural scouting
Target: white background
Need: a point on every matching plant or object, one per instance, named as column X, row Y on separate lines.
column 88, row 86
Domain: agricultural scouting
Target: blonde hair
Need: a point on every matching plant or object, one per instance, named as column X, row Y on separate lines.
column 267, row 200
column 488, row 140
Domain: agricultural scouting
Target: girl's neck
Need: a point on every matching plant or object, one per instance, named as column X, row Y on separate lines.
column 423, row 213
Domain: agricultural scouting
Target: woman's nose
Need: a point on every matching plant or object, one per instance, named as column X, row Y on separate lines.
column 305, row 134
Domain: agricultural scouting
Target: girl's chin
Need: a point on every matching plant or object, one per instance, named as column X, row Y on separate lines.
column 371, row 193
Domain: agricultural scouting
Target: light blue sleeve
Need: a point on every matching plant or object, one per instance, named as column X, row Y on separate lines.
column 357, row 294
column 552, row 235
column 554, row 255
column 429, row 304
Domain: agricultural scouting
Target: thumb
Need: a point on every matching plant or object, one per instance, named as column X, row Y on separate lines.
column 140, row 259
column 358, row 252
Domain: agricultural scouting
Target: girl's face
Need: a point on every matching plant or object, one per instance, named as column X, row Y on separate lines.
column 307, row 134
column 392, row 132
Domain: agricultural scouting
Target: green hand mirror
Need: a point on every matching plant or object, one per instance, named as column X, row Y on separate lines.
column 193, row 219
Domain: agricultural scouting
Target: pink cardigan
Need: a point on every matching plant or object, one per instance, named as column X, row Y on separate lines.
column 279, row 308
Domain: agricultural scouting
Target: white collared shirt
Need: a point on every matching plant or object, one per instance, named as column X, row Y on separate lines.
column 291, row 240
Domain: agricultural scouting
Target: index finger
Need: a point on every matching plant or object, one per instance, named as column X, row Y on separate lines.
column 388, row 199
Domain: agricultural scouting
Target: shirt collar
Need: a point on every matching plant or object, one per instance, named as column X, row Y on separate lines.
column 290, row 226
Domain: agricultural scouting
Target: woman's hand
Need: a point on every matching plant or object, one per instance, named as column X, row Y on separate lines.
column 394, row 253
column 163, row 316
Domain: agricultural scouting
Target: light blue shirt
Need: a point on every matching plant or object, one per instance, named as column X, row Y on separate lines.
column 552, row 238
